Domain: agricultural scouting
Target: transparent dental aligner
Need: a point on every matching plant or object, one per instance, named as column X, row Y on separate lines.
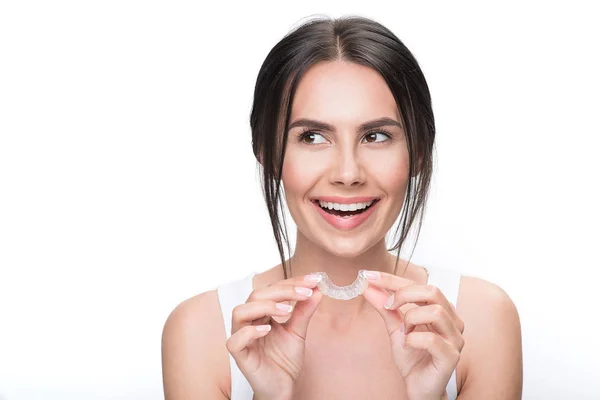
column 348, row 292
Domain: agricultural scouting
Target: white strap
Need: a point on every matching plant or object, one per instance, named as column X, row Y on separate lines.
column 231, row 295
column 448, row 282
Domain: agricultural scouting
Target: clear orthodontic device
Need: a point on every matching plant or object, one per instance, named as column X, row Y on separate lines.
column 351, row 291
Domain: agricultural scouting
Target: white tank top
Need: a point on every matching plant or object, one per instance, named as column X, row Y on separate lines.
column 234, row 293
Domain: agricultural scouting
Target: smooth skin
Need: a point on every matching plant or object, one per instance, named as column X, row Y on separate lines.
column 481, row 337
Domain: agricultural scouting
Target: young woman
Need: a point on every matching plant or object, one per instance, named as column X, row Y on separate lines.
column 343, row 128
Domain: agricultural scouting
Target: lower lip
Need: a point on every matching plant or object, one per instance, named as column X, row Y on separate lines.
column 346, row 223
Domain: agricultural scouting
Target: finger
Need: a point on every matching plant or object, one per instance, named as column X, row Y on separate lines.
column 238, row 343
column 260, row 311
column 310, row 280
column 424, row 295
column 390, row 281
column 303, row 312
column 281, row 288
column 420, row 294
column 377, row 297
column 435, row 316
column 443, row 353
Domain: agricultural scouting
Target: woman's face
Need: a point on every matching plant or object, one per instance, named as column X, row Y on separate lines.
column 343, row 165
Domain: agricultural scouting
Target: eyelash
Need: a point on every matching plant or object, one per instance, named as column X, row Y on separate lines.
column 306, row 131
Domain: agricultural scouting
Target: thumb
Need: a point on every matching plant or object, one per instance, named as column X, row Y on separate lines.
column 393, row 318
column 303, row 312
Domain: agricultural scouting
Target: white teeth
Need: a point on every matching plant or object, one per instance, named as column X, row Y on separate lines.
column 345, row 207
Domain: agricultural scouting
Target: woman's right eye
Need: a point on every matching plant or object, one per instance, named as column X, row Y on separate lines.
column 312, row 138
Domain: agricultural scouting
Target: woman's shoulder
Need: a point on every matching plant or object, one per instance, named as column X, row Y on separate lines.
column 195, row 312
column 478, row 296
column 474, row 287
column 193, row 344
column 491, row 327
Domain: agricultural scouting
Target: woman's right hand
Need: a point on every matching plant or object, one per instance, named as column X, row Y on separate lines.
column 272, row 360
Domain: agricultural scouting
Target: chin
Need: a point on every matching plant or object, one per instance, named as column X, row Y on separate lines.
column 346, row 247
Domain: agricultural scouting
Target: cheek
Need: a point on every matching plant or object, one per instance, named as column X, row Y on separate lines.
column 301, row 170
column 391, row 171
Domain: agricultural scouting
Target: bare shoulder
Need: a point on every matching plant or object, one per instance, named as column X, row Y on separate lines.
column 481, row 303
column 195, row 360
column 492, row 356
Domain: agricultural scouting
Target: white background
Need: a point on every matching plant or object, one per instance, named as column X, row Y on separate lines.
column 128, row 184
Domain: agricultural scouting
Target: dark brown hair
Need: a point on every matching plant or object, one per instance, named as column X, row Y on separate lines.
column 351, row 39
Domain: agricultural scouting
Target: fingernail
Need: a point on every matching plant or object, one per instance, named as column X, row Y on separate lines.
column 263, row 328
column 313, row 278
column 402, row 327
column 389, row 302
column 284, row 307
column 303, row 291
column 374, row 275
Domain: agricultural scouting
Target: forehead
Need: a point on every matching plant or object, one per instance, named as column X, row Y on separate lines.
column 343, row 93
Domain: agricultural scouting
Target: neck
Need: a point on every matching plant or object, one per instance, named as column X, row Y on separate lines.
column 342, row 271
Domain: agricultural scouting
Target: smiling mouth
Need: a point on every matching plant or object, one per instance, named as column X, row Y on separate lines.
column 335, row 209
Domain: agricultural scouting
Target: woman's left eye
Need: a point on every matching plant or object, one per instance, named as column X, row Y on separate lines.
column 373, row 137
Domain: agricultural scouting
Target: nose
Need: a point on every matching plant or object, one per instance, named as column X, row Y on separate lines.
column 347, row 169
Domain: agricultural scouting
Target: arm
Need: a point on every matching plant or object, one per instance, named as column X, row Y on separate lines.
column 493, row 344
column 190, row 350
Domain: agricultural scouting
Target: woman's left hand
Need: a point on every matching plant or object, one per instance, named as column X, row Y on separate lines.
column 428, row 350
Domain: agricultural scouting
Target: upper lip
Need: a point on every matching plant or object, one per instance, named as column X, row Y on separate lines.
column 345, row 200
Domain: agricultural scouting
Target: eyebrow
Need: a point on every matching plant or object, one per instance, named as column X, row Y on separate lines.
column 314, row 124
